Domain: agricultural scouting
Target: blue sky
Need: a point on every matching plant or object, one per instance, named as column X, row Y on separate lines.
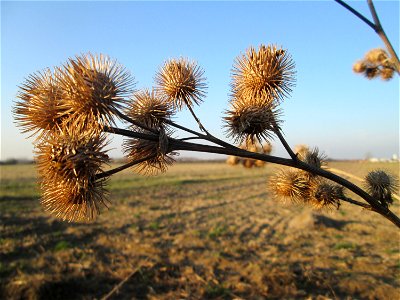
column 344, row 114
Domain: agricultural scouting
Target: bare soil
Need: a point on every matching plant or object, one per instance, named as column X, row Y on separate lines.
column 200, row 231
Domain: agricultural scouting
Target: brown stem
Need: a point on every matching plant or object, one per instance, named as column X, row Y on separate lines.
column 349, row 200
column 202, row 128
column 123, row 167
column 285, row 144
column 133, row 122
column 209, row 137
column 379, row 30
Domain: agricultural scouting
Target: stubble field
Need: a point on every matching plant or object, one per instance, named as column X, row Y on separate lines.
column 200, row 231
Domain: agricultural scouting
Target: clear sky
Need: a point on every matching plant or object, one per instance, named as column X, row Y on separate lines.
column 344, row 114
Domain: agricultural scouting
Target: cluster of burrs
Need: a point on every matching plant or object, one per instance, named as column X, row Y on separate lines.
column 376, row 63
column 72, row 109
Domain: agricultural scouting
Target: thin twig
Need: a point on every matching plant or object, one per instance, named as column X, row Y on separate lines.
column 353, row 11
column 119, row 285
column 123, row 167
column 285, row 144
column 379, row 30
column 358, row 203
column 202, row 128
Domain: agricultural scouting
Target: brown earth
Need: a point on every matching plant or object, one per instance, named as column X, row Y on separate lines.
column 200, row 231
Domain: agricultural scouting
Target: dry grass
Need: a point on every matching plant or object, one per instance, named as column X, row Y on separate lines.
column 200, row 231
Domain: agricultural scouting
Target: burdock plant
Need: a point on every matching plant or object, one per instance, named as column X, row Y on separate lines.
column 73, row 109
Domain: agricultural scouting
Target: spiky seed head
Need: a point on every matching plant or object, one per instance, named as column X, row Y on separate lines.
column 232, row 160
column 149, row 108
column 313, row 158
column 39, row 108
column 267, row 148
column 301, row 150
column 252, row 122
column 359, row 67
column 267, row 73
column 290, row 185
column 327, row 195
column 68, row 162
column 387, row 73
column 371, row 72
column 248, row 163
column 182, row 82
column 156, row 152
column 381, row 185
column 94, row 87
column 376, row 56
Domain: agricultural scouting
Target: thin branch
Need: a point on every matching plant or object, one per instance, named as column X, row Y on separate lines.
column 209, row 137
column 353, row 11
column 123, row 167
column 202, row 128
column 133, row 122
column 185, row 129
column 285, row 144
column 132, row 134
column 358, row 203
column 190, row 138
column 379, row 30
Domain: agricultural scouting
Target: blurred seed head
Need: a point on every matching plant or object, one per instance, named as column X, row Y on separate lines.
column 301, row 150
column 312, row 157
column 371, row 72
column 359, row 67
column 290, row 185
column 376, row 63
column 327, row 195
column 387, row 73
column 68, row 162
column 157, row 152
column 232, row 160
column 182, row 82
column 94, row 87
column 266, row 73
column 149, row 108
column 376, row 56
column 39, row 109
column 252, row 122
column 381, row 185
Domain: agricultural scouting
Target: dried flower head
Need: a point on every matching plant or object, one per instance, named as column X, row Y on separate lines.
column 312, row 157
column 68, row 162
column 267, row 73
column 387, row 73
column 327, row 195
column 301, row 150
column 182, row 82
column 149, row 108
column 290, row 185
column 94, row 87
column 252, row 122
column 156, row 151
column 359, row 67
column 376, row 56
column 232, row 160
column 248, row 163
column 381, row 185
column 371, row 72
column 39, row 107
column 267, row 148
